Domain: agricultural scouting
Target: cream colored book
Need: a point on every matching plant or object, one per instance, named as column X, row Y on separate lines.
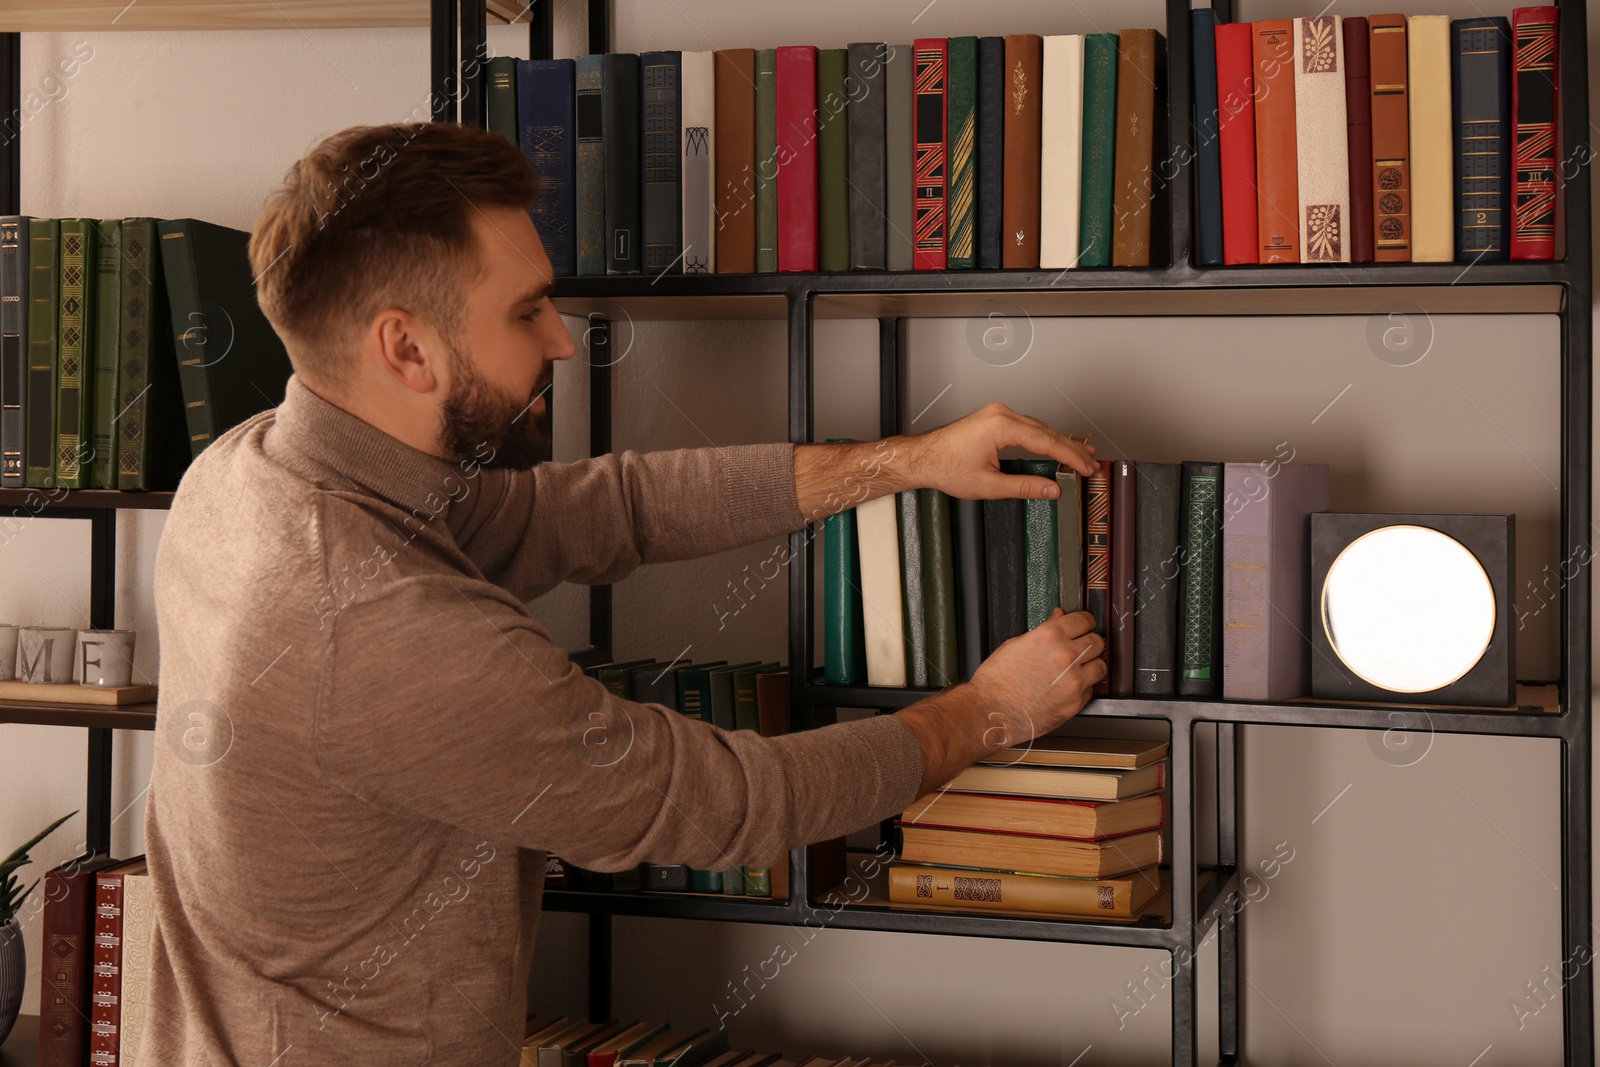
column 1433, row 182
column 138, row 933
column 699, row 187
column 1061, row 151
column 1321, row 140
column 882, row 601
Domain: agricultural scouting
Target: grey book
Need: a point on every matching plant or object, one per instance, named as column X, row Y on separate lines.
column 864, row 82
column 897, row 164
column 1157, row 555
column 1069, row 538
column 916, row 627
column 767, row 161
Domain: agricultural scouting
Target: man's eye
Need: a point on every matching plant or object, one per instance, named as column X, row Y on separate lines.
column 529, row 316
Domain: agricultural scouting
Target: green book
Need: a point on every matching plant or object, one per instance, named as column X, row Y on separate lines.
column 103, row 406
column 80, row 265
column 618, row 677
column 767, row 161
column 44, row 271
column 962, row 136
column 500, row 97
column 1099, row 149
column 844, row 638
column 721, row 687
column 833, row 161
column 1041, row 549
column 152, row 431
column 938, row 586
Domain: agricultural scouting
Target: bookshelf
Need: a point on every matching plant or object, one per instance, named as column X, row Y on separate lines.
column 1195, row 904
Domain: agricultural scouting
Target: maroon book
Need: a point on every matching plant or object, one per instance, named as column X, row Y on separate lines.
column 67, row 936
column 930, row 120
column 1358, row 122
column 1534, row 104
column 797, row 158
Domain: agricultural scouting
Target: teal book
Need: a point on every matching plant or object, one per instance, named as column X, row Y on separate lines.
column 80, row 269
column 844, row 640
column 1041, row 550
column 767, row 161
column 962, row 140
column 500, row 97
column 1099, row 149
column 103, row 406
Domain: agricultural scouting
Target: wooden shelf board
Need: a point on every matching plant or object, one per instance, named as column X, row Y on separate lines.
column 21, row 502
column 95, row 716
column 83, row 16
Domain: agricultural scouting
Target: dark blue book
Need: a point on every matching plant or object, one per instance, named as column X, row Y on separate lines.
column 661, row 116
column 1208, row 199
column 991, row 149
column 590, row 200
column 1480, row 104
column 548, row 130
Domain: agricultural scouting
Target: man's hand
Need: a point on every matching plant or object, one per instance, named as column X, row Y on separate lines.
column 961, row 459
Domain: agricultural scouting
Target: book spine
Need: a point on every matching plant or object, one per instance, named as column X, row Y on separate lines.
column 844, row 650
column 13, row 345
column 1001, row 890
column 1277, row 171
column 757, row 881
column 962, row 138
column 930, row 115
column 591, row 166
column 661, row 125
column 1006, row 565
column 767, row 161
column 39, row 418
column 882, row 595
column 105, row 1006
column 188, row 331
column 972, row 591
column 620, row 132
column 1023, row 118
column 899, row 148
column 698, row 163
column 547, row 117
column 1097, row 557
column 1391, row 140
column 1432, row 181
column 138, row 318
column 138, row 935
column 1535, row 92
column 796, row 112
column 1061, row 151
column 74, row 383
column 101, row 471
column 1200, row 659
column 1246, row 581
column 1358, row 133
column 833, row 162
column 1157, row 556
column 735, row 146
column 1140, row 65
column 1041, row 552
column 938, row 586
column 1208, row 174
column 500, row 97
column 1236, row 136
column 1069, row 536
column 1480, row 54
column 1099, row 149
column 989, row 173
column 68, row 949
column 1124, row 577
column 865, row 85
column 916, row 616
column 1322, row 174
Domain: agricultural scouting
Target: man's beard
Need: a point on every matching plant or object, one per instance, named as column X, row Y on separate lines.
column 500, row 432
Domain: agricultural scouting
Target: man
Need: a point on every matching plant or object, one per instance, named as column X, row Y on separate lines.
column 367, row 744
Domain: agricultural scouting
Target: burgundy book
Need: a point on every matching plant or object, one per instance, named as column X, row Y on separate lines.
column 930, row 113
column 1358, row 125
column 1534, row 95
column 1097, row 579
column 797, row 158
column 105, row 983
column 67, row 936
column 1124, row 578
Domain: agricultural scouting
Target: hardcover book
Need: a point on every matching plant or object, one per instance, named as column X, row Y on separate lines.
column 1358, row 133
column 991, row 159
column 767, row 160
column 1208, row 172
column 882, row 602
column 138, row 937
column 1005, row 548
column 1199, row 593
column 986, row 890
column 101, row 466
column 13, row 344
column 1277, row 166
column 1391, row 140
column 547, row 115
column 735, row 148
column 80, row 257
column 1023, row 119
column 1051, row 780
column 1036, row 853
column 1236, row 136
column 844, row 656
column 865, row 86
column 899, row 146
column 962, row 141
column 1535, row 92
column 1433, row 185
column 661, row 122
column 1061, row 151
column 938, row 586
column 500, row 97
column 1099, row 149
column 1123, row 621
column 930, row 119
column 972, row 587
column 1158, row 555
column 1141, row 68
column 697, row 165
column 916, row 618
column 833, row 161
column 1082, row 820
column 39, row 415
column 1097, row 558
column 152, row 429
column 1480, row 53
column 619, row 132
column 1069, row 538
column 1041, row 548
column 796, row 111
column 68, row 954
column 1322, row 140
column 590, row 189
column 106, row 984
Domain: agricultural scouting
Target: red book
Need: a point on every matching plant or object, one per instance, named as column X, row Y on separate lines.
column 1236, row 109
column 930, row 61
column 1535, row 95
column 67, row 936
column 797, row 158
column 105, row 1009
column 1358, row 127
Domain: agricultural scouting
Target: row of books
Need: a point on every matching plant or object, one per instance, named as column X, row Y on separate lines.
column 126, row 346
column 98, row 929
column 733, row 696
column 569, row 1043
column 963, row 152
column 1065, row 826
column 919, row 588
column 1382, row 138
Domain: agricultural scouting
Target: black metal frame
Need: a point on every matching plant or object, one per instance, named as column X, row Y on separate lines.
column 457, row 48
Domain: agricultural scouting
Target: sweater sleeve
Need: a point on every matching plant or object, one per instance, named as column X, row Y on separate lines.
column 595, row 520
column 442, row 699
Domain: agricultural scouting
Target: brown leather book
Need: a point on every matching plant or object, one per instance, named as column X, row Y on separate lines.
column 1391, row 140
column 1277, row 159
column 1124, row 576
column 1140, row 56
column 64, row 973
column 1019, row 212
column 736, row 160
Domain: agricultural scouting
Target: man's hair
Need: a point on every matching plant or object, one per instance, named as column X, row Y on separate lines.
column 376, row 217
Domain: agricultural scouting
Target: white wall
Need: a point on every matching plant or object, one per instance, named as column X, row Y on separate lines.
column 1418, row 903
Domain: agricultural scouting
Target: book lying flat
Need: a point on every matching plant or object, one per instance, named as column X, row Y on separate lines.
column 1085, row 820
column 1026, row 852
column 965, row 887
column 1053, row 751
column 1060, row 782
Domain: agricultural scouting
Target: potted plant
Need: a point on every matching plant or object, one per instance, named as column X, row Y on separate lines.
column 13, row 961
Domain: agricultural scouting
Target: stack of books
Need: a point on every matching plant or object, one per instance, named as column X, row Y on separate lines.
column 919, row 588
column 571, row 1043
column 951, row 153
column 1066, row 826
column 1381, row 138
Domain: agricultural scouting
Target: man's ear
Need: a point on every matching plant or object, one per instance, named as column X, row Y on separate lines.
column 409, row 350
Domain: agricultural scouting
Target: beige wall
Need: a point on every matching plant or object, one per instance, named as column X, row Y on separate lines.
column 1418, row 903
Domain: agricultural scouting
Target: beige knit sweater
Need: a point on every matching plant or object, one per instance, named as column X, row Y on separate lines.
column 365, row 744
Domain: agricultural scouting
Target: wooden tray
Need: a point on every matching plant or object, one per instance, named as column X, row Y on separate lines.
column 72, row 693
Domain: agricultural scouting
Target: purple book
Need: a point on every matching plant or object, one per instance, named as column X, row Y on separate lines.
column 1266, row 607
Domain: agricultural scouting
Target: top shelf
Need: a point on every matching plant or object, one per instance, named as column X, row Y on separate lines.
column 83, row 16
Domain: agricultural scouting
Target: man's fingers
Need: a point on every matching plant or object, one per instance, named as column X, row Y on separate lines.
column 1074, row 625
column 1037, row 437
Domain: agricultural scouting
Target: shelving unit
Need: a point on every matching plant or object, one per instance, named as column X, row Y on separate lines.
column 1196, row 901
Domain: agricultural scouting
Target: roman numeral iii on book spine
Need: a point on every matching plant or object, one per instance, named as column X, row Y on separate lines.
column 1535, row 91
column 928, row 156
